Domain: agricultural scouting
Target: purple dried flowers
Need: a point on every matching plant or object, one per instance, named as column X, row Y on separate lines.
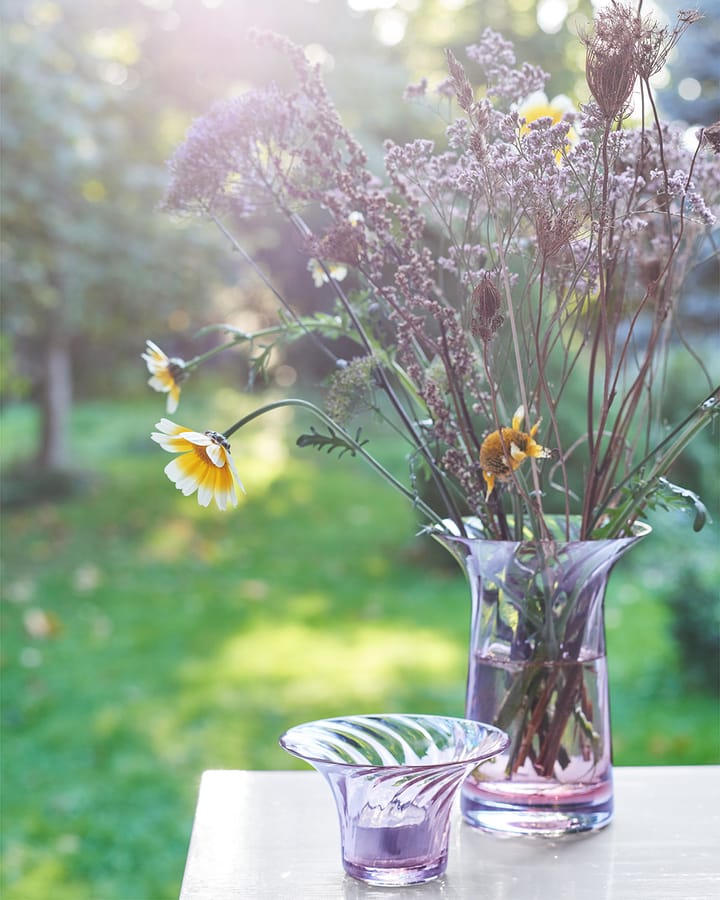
column 538, row 250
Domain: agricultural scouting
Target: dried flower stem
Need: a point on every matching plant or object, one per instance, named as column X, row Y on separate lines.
column 348, row 439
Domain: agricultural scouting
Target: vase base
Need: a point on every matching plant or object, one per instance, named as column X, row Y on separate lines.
column 547, row 823
column 397, row 876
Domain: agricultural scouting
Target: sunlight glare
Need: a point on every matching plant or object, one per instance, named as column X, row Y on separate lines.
column 389, row 27
column 689, row 89
column 313, row 664
column 43, row 15
column 366, row 5
column 661, row 79
column 551, row 15
column 285, row 376
column 114, row 73
column 690, row 138
column 319, row 56
column 117, row 45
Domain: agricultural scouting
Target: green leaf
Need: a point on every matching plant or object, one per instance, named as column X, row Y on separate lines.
column 659, row 494
column 330, row 441
column 671, row 496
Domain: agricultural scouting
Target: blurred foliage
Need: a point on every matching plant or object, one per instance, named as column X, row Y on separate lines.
column 693, row 89
column 146, row 639
column 85, row 253
column 97, row 95
column 696, row 622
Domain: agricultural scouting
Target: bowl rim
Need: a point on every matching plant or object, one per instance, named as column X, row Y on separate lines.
column 501, row 737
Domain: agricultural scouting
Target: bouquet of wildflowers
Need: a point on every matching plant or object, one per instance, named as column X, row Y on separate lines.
column 539, row 252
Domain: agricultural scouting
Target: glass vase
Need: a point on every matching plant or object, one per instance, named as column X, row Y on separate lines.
column 394, row 778
column 538, row 670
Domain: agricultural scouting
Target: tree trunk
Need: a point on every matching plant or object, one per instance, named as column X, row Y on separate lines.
column 56, row 403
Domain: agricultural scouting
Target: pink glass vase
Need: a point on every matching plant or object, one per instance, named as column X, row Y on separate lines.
column 538, row 670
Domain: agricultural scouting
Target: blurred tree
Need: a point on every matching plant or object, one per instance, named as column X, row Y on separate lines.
column 692, row 92
column 88, row 264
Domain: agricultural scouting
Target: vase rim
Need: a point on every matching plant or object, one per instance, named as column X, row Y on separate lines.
column 474, row 527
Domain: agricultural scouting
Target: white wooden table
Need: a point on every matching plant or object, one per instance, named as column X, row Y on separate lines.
column 275, row 835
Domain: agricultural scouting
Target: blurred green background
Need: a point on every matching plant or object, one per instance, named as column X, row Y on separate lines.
column 145, row 639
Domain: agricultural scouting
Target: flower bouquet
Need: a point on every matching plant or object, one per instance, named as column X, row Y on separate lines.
column 534, row 254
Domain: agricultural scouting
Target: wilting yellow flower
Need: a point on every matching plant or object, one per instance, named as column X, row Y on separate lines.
column 205, row 464
column 166, row 373
column 319, row 275
column 502, row 451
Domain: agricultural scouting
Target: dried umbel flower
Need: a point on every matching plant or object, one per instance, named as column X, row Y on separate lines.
column 342, row 243
column 350, row 390
column 611, row 61
column 711, row 135
column 654, row 42
column 555, row 228
column 485, row 317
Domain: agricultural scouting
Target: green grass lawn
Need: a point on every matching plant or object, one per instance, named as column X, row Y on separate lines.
column 146, row 640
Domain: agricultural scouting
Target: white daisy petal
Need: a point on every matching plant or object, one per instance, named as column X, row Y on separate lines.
column 217, row 454
column 195, row 437
column 184, row 481
column 231, row 463
column 173, row 400
column 205, row 495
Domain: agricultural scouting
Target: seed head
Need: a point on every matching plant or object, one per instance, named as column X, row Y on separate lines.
column 711, row 135
column 350, row 390
column 485, row 317
column 610, row 63
column 654, row 42
column 555, row 229
column 460, row 81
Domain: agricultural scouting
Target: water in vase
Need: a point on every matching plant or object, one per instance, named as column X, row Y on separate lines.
column 556, row 775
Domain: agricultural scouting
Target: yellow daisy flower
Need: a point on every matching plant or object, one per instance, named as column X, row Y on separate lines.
column 320, row 277
column 503, row 451
column 204, row 465
column 537, row 106
column 166, row 373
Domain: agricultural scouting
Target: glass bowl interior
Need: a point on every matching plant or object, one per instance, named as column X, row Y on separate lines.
column 392, row 740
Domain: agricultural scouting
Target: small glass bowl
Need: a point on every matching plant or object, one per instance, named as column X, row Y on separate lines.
column 394, row 778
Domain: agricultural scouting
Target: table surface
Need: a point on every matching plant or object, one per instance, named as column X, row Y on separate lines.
column 275, row 835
